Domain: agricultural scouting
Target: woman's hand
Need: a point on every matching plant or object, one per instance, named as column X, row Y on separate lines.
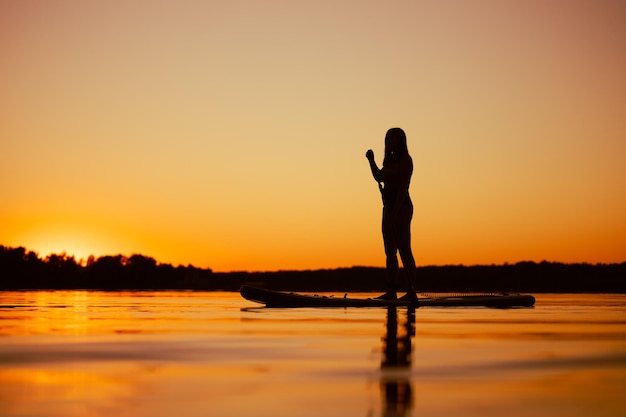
column 369, row 155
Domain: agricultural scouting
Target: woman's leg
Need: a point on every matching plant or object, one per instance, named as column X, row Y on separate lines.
column 391, row 249
column 403, row 236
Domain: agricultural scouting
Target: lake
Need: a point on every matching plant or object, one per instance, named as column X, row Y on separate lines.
column 88, row 353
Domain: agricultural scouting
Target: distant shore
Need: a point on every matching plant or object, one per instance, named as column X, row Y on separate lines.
column 21, row 269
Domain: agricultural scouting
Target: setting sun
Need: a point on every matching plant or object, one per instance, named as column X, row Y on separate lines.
column 70, row 239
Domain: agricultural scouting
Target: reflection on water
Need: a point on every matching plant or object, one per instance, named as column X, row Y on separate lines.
column 396, row 387
column 73, row 353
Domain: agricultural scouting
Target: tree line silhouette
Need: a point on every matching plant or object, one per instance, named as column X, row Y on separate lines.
column 21, row 269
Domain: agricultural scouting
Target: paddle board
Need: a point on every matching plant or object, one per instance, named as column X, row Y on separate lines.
column 283, row 299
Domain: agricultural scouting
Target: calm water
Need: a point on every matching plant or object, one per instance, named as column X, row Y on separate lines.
column 76, row 353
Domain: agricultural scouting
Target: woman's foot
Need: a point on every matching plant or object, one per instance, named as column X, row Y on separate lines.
column 389, row 295
column 410, row 296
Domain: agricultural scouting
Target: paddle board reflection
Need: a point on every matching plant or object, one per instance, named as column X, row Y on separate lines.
column 396, row 390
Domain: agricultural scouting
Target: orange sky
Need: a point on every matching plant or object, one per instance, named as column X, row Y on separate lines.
column 231, row 134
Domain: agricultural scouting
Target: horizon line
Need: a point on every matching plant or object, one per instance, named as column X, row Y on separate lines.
column 83, row 263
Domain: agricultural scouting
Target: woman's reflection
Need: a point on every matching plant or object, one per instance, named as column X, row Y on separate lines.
column 395, row 385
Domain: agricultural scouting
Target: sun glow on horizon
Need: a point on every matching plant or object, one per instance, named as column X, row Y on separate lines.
column 72, row 241
column 79, row 236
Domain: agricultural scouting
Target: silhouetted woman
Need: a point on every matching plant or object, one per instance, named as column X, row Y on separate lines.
column 397, row 209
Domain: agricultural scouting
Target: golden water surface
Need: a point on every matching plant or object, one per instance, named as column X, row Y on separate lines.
column 80, row 353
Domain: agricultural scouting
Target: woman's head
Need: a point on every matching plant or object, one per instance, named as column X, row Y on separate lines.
column 395, row 143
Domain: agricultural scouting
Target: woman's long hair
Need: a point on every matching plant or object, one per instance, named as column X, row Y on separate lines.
column 400, row 151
